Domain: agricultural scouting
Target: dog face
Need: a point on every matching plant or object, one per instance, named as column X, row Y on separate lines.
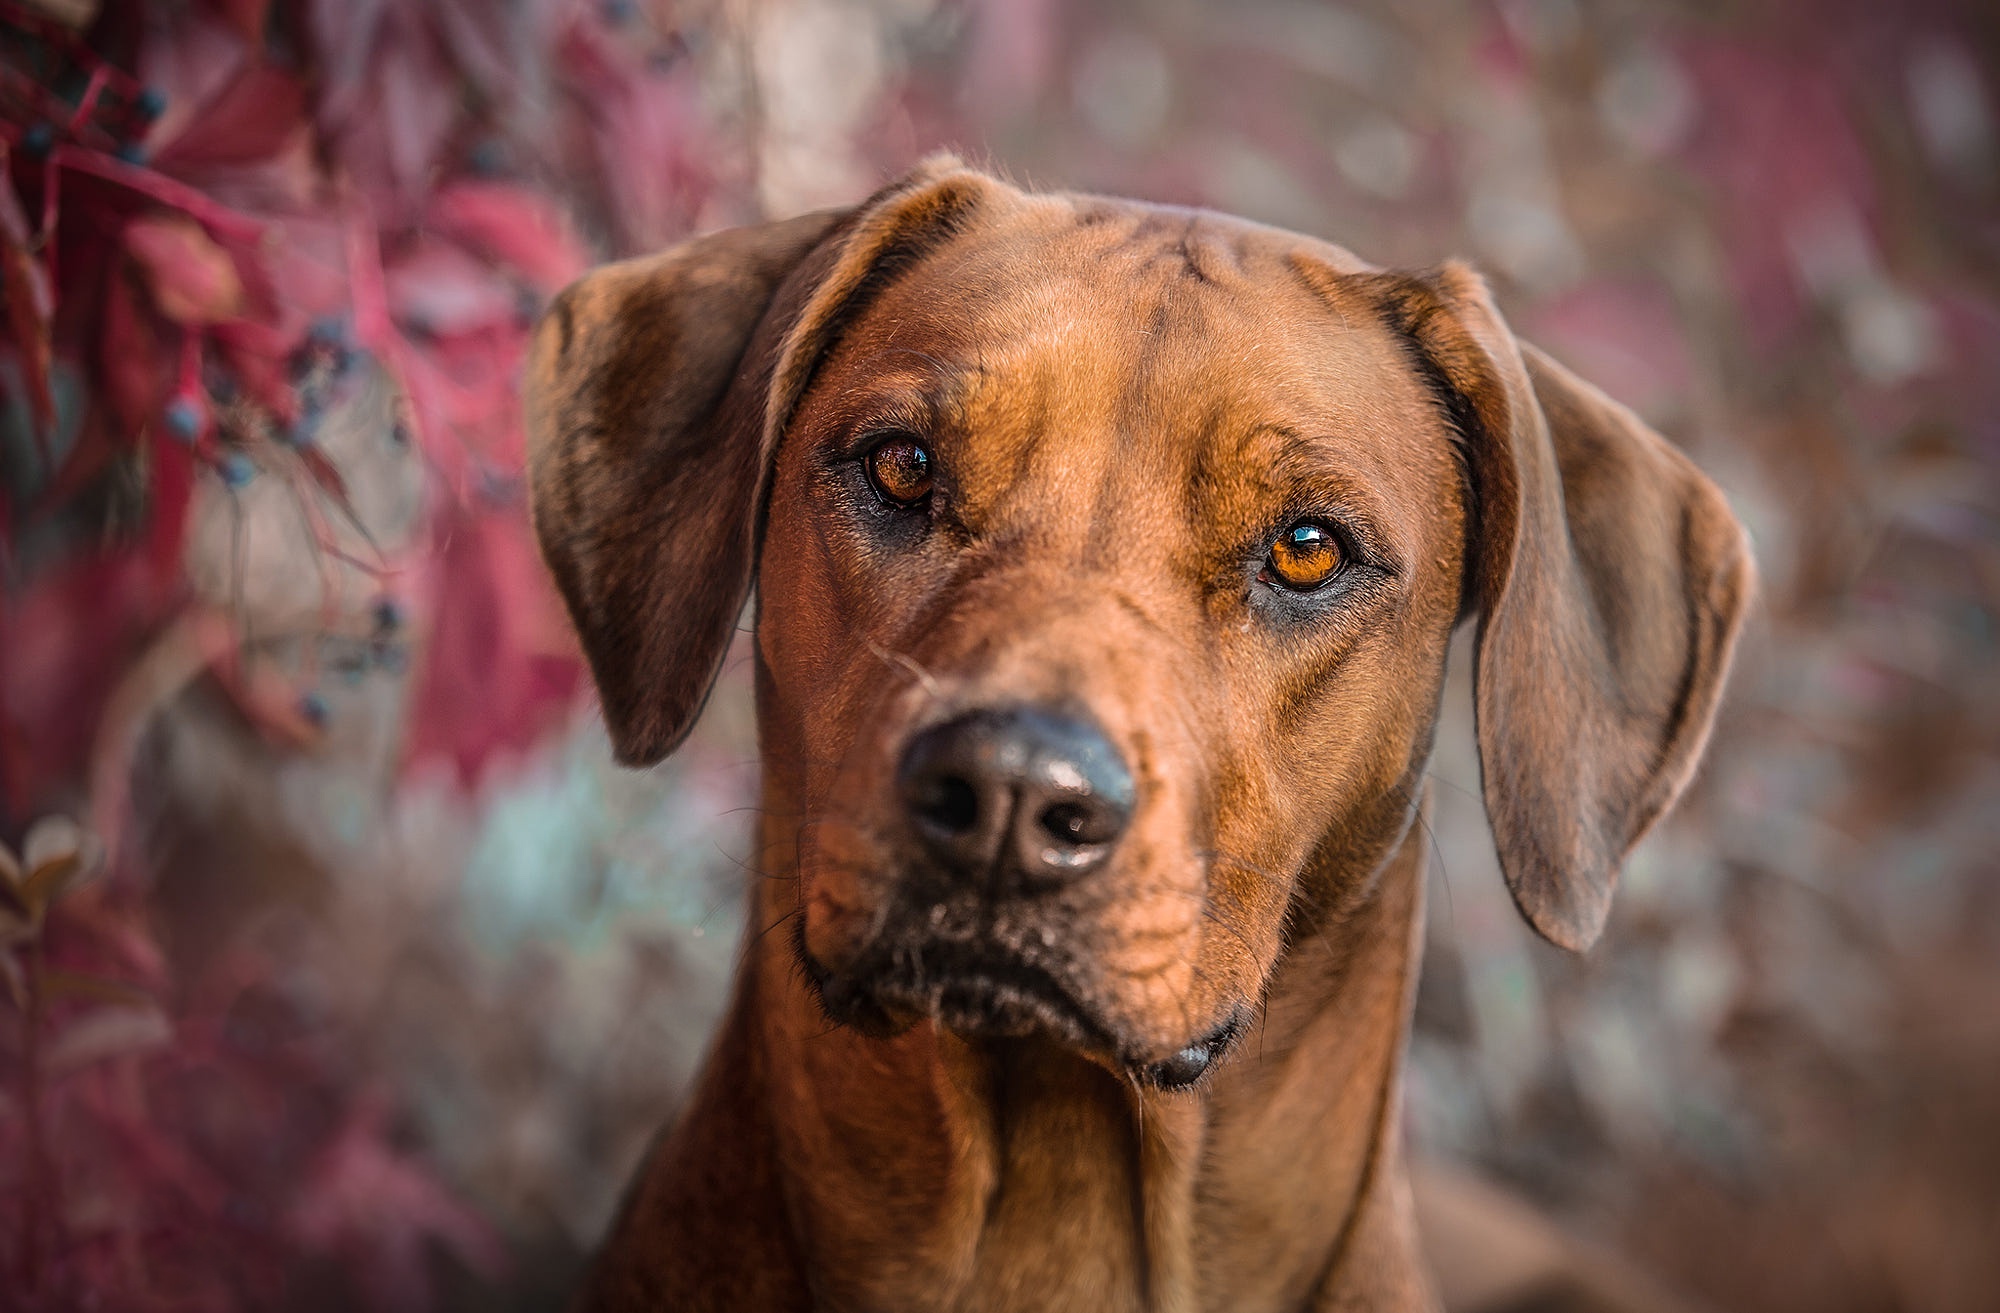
column 1106, row 560
column 1093, row 602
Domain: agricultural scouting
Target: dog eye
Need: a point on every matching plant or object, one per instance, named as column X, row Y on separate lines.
column 900, row 469
column 1304, row 557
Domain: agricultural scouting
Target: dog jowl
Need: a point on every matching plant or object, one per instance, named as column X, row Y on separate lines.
column 1105, row 558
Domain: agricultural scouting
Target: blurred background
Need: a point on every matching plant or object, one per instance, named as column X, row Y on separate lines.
column 339, row 967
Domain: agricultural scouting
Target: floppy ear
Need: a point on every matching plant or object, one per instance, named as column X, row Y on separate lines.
column 1610, row 578
column 645, row 409
column 655, row 392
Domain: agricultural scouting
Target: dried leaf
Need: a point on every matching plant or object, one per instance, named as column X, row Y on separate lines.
column 74, row 985
column 51, row 839
column 50, row 882
column 110, row 1032
column 18, row 923
column 77, row 14
column 13, row 973
column 57, row 853
column 192, row 279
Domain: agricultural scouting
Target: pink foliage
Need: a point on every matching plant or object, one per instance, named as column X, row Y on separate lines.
column 239, row 187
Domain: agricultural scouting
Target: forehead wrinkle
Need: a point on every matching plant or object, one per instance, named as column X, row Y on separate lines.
column 1158, row 421
column 1064, row 385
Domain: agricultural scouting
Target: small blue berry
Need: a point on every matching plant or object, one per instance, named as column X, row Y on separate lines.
column 488, row 159
column 150, row 103
column 38, row 140
column 619, row 11
column 391, row 658
column 327, row 331
column 236, row 469
column 132, row 152
column 303, row 431
column 183, row 419
column 313, row 707
column 388, row 615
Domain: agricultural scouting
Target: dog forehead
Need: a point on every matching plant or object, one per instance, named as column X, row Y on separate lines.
column 1123, row 315
column 1075, row 272
column 1081, row 336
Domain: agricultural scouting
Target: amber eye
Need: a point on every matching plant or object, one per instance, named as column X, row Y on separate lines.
column 1304, row 557
column 900, row 469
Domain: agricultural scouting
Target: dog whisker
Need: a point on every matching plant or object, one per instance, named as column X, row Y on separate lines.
column 759, row 936
column 1436, row 848
column 924, row 679
column 1224, row 855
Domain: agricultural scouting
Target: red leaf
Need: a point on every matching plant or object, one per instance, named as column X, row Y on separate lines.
column 640, row 130
column 307, row 271
column 391, row 137
column 523, row 230
column 438, row 289
column 502, row 668
column 30, row 303
column 375, row 1211
column 479, row 36
column 193, row 280
column 246, row 16
column 71, row 635
column 344, row 34
column 134, row 362
column 328, row 477
column 256, row 355
column 253, row 117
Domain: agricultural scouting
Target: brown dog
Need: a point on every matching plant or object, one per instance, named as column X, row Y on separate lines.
column 1106, row 556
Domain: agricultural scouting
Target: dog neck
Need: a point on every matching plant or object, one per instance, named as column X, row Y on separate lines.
column 931, row 1171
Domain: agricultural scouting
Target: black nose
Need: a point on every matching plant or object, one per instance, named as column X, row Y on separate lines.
column 1016, row 793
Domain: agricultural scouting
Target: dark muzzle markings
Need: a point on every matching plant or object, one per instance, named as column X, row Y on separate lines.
column 1003, row 809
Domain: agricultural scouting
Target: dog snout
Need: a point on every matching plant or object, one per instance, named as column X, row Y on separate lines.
column 1021, row 793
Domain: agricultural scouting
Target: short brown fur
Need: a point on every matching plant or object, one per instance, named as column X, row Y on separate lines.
column 1125, row 402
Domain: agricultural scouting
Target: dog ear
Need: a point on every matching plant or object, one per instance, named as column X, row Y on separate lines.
column 654, row 394
column 644, row 403
column 1610, row 578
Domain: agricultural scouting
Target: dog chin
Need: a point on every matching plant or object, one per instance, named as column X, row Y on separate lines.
column 987, row 996
column 978, row 995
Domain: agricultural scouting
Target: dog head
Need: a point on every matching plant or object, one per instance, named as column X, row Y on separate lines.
column 1106, row 558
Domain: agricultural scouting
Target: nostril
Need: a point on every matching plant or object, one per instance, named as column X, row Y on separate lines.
column 1065, row 822
column 1077, row 825
column 947, row 802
